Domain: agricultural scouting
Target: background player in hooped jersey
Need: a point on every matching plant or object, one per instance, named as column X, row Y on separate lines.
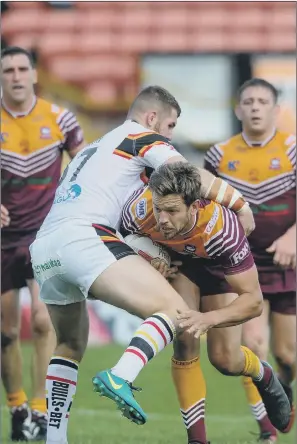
column 34, row 133
column 78, row 252
column 261, row 162
column 171, row 212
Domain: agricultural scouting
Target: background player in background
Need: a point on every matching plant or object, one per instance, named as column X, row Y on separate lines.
column 172, row 213
column 34, row 135
column 261, row 162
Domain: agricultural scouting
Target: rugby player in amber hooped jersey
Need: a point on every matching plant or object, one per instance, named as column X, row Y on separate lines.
column 34, row 134
column 261, row 163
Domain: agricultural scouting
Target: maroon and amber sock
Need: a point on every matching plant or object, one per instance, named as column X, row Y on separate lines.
column 191, row 391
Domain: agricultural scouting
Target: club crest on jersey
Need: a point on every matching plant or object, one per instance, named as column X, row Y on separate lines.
column 233, row 164
column 45, row 133
column 190, row 248
column 275, row 164
column 141, row 209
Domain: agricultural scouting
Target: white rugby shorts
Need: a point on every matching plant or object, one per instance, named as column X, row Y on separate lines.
column 68, row 260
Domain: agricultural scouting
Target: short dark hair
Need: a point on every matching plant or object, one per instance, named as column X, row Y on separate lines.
column 180, row 178
column 157, row 94
column 258, row 82
column 14, row 50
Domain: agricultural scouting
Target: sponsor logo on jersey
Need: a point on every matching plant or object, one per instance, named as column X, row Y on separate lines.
column 238, row 257
column 69, row 194
column 233, row 164
column 45, row 132
column 51, row 263
column 3, row 137
column 275, row 164
column 213, row 221
column 254, row 175
column 141, row 208
column 190, row 248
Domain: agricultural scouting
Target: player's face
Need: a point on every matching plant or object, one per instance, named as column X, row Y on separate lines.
column 163, row 122
column 18, row 78
column 257, row 110
column 173, row 216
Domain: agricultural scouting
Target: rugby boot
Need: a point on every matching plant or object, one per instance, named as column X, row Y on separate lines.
column 275, row 399
column 121, row 392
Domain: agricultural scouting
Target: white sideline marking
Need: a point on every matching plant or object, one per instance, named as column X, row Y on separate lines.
column 160, row 416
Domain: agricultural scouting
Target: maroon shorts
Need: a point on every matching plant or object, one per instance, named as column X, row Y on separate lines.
column 278, row 286
column 16, row 268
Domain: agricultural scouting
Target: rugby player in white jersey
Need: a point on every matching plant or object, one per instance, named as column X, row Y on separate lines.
column 78, row 252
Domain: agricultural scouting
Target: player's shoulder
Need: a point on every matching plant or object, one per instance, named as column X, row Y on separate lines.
column 285, row 139
column 230, row 143
column 56, row 112
column 143, row 135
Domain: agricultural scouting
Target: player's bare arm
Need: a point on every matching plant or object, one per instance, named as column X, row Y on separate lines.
column 284, row 249
column 248, row 305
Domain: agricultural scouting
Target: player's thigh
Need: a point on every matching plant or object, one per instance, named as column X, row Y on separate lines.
column 223, row 344
column 132, row 284
column 255, row 333
column 41, row 322
column 185, row 346
column 283, row 327
column 187, row 290
column 10, row 313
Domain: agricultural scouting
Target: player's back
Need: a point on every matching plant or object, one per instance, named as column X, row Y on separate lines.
column 98, row 181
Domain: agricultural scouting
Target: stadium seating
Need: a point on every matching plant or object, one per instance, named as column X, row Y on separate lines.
column 96, row 45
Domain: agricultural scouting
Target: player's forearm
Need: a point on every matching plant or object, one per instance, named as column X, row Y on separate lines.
column 247, row 306
column 219, row 190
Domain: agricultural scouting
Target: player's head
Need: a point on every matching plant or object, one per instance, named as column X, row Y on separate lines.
column 18, row 75
column 156, row 109
column 257, row 106
column 175, row 189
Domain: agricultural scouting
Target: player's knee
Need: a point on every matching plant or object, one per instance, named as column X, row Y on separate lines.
column 285, row 356
column 185, row 347
column 9, row 336
column 224, row 360
column 6, row 341
column 257, row 344
column 41, row 324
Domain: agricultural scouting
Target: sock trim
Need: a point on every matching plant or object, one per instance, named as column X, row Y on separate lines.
column 167, row 324
column 137, row 353
column 158, row 330
column 178, row 363
column 64, row 362
column 57, row 378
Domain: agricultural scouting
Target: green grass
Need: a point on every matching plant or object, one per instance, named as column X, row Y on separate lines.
column 93, row 420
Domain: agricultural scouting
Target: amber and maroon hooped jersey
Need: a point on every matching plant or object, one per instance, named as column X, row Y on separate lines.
column 266, row 175
column 31, row 156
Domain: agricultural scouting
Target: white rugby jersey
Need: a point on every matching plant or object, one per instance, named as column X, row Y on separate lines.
column 99, row 180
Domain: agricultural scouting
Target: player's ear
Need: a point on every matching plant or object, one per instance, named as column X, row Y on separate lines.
column 195, row 207
column 238, row 112
column 151, row 119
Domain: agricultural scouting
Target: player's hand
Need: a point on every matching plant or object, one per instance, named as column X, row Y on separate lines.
column 284, row 249
column 5, row 219
column 246, row 218
column 173, row 270
column 194, row 322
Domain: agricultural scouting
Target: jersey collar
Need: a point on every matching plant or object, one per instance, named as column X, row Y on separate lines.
column 22, row 114
column 258, row 144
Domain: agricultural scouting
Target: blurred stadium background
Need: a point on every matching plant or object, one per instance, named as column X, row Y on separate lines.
column 93, row 57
